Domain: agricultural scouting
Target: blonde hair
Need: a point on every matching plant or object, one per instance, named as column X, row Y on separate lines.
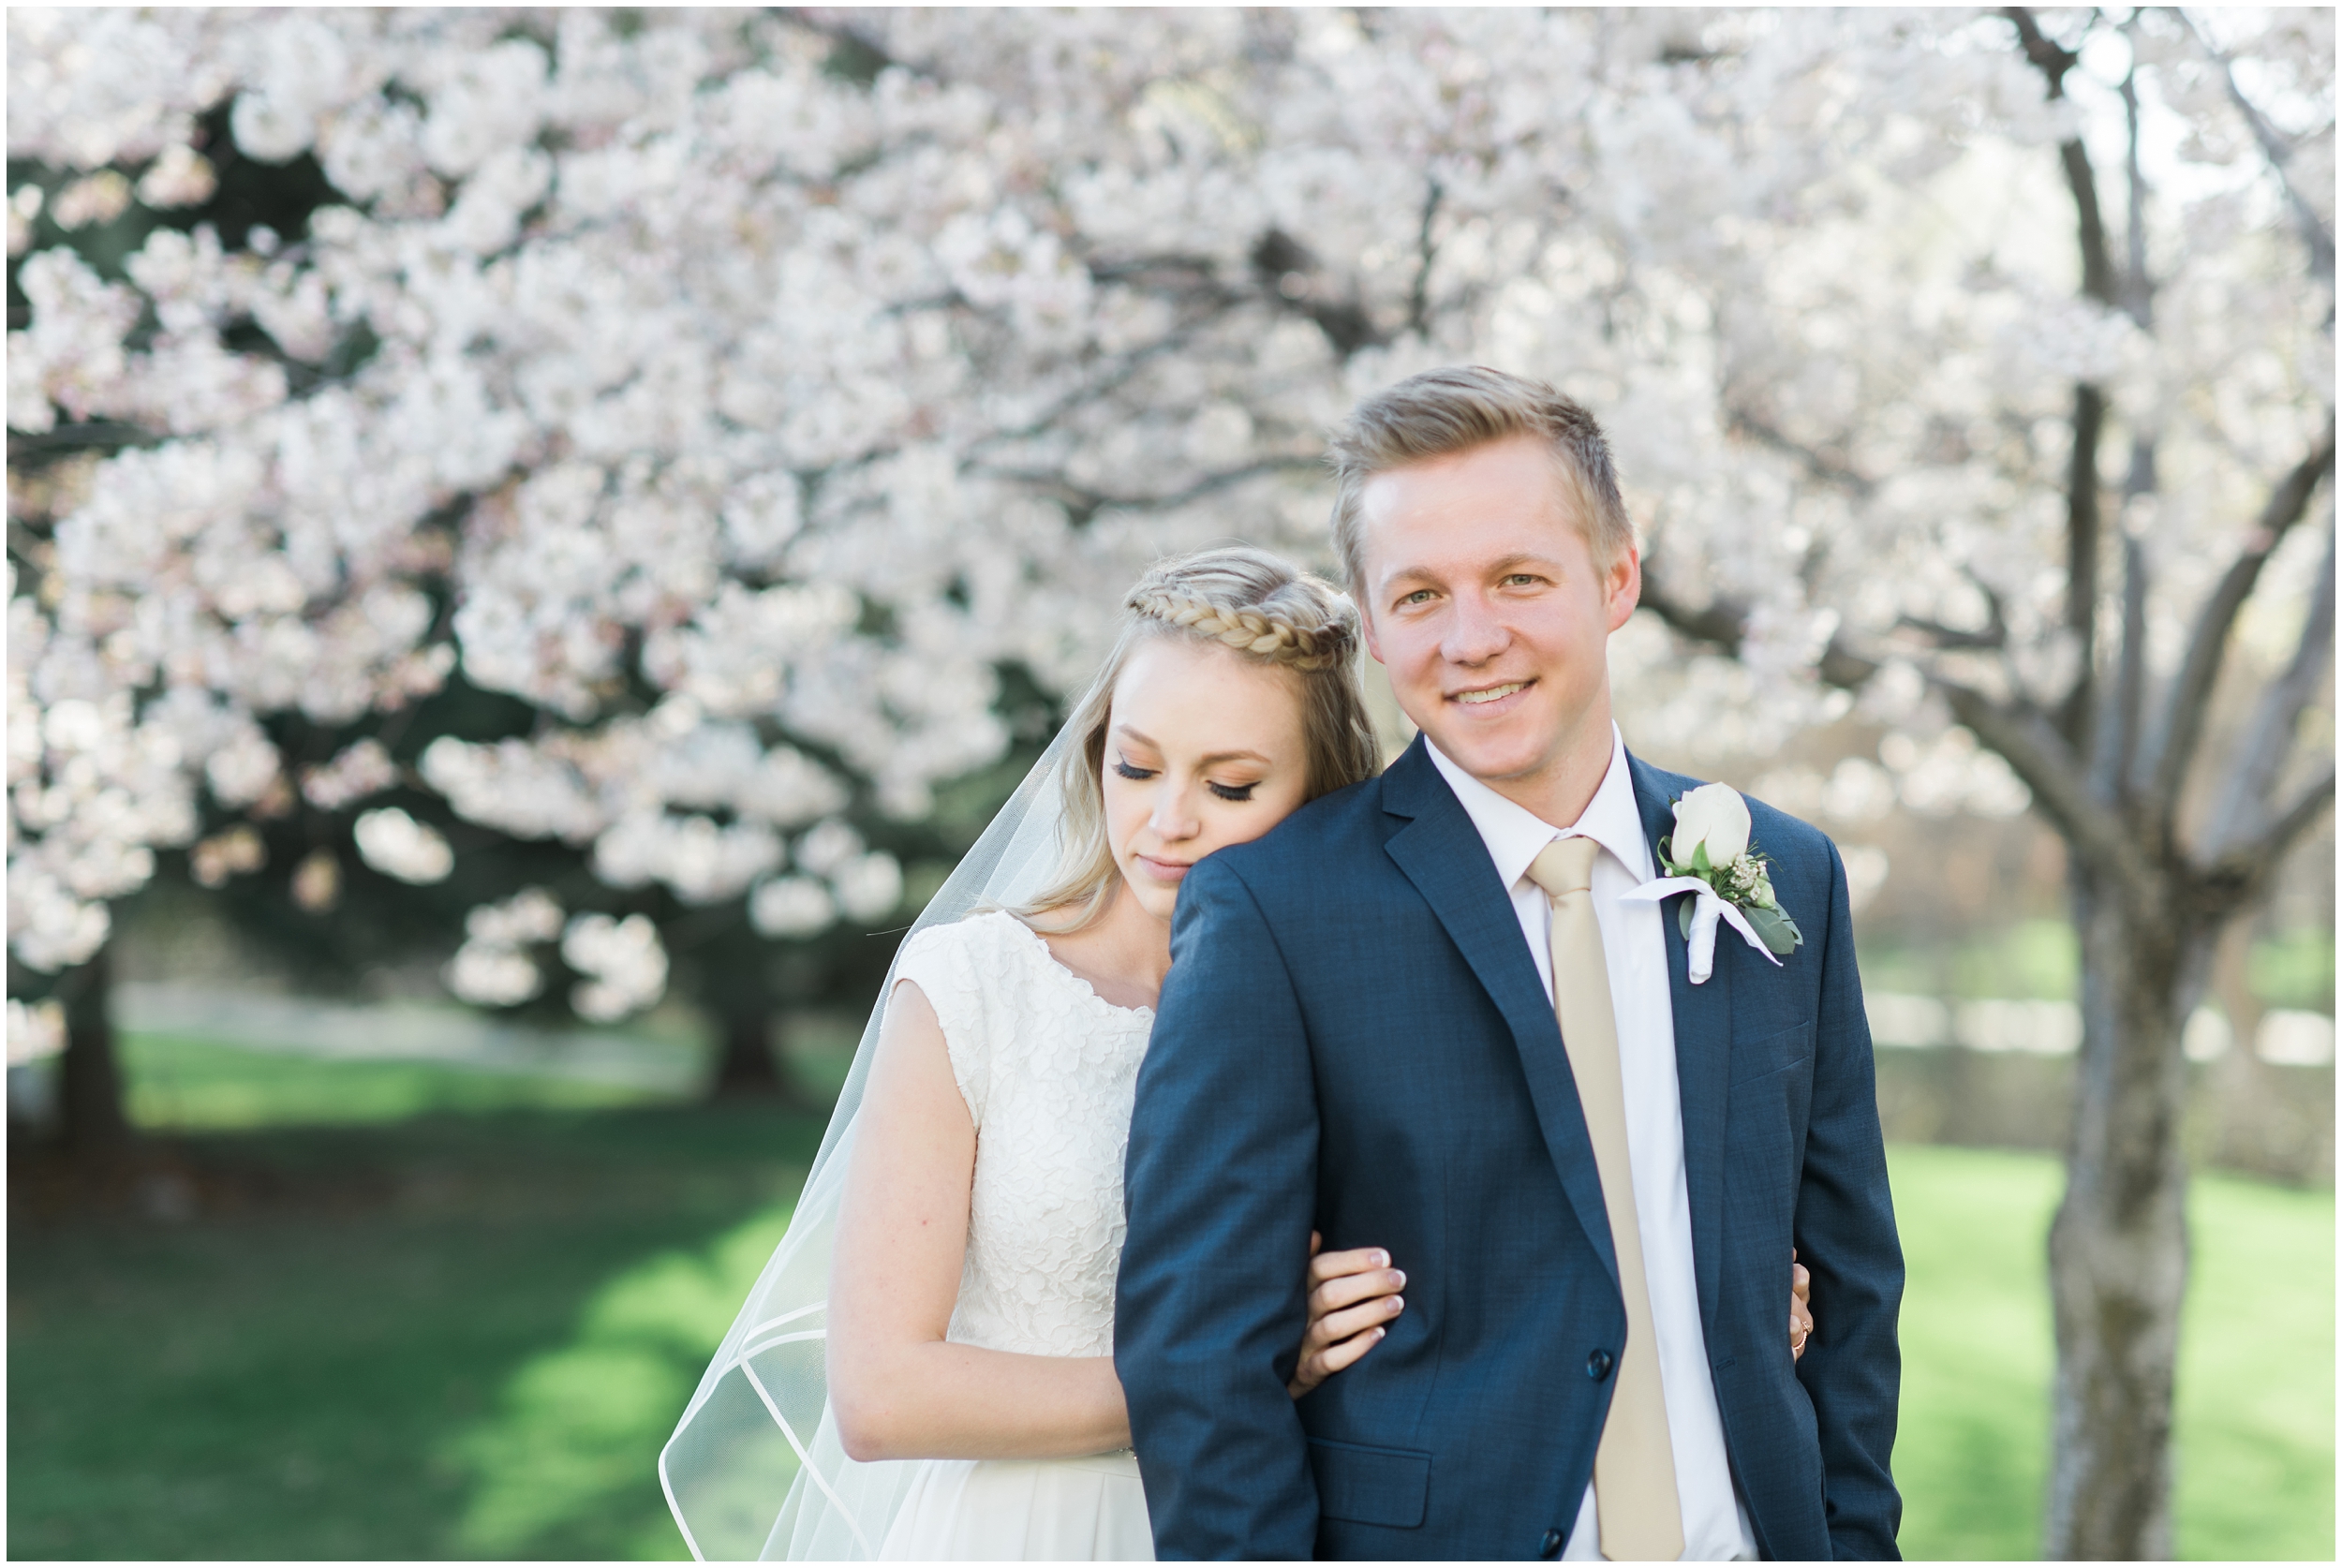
column 1268, row 611
column 1441, row 412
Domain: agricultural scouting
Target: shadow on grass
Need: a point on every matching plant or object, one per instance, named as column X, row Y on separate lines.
column 564, row 1468
column 325, row 1357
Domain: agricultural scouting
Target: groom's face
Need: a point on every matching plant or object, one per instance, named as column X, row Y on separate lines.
column 1485, row 601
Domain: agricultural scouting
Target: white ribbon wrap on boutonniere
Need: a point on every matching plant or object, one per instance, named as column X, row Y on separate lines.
column 1700, row 940
column 1710, row 856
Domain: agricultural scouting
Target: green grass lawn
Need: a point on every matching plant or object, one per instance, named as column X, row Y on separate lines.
column 190, row 1083
column 466, row 1335
column 2256, row 1380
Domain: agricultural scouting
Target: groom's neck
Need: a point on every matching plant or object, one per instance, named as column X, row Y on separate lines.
column 1559, row 790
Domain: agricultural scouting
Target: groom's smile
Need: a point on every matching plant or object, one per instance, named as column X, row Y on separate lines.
column 1483, row 696
column 1485, row 600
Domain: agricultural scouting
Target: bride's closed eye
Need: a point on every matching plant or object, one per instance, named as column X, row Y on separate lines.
column 1129, row 772
column 1234, row 791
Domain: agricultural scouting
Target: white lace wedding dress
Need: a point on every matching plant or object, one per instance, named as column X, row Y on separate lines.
column 1048, row 1068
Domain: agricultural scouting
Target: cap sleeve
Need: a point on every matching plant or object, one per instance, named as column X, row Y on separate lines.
column 946, row 963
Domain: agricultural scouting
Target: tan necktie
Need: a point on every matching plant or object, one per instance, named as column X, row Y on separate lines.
column 1641, row 1518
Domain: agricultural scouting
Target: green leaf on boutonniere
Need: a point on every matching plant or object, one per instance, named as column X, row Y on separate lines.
column 1780, row 932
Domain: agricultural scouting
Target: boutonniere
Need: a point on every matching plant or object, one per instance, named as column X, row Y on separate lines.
column 1709, row 856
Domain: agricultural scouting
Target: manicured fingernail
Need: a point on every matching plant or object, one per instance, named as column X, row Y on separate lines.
column 1399, row 1276
column 1398, row 1303
column 1380, row 1332
column 1382, row 1260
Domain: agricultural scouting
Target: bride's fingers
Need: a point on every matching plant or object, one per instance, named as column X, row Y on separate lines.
column 1317, row 1364
column 1801, row 1281
column 1358, row 1260
column 1333, row 1358
column 1351, row 1289
column 1337, row 1326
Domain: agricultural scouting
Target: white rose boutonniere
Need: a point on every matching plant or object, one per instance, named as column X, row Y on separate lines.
column 1710, row 856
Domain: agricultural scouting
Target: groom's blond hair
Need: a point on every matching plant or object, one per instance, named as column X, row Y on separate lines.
column 1441, row 412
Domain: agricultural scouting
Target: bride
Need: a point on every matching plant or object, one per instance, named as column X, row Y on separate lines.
column 931, row 1344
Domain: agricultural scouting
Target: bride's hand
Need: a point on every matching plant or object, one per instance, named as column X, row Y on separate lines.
column 1800, row 1305
column 1351, row 1296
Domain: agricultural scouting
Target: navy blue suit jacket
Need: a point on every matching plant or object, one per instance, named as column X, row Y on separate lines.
column 1354, row 1038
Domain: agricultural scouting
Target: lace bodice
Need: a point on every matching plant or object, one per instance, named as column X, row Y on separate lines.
column 1048, row 1068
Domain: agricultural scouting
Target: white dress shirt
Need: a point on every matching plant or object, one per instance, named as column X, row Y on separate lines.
column 1633, row 950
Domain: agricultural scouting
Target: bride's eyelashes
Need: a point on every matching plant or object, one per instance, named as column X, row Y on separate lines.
column 1238, row 792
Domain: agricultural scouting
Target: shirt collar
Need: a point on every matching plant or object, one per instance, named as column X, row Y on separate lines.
column 1514, row 834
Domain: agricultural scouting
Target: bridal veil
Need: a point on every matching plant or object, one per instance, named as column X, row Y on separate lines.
column 755, row 1469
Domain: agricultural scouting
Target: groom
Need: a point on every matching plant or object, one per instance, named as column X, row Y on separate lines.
column 1419, row 1015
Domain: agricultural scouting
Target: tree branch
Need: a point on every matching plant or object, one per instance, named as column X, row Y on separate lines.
column 2314, row 230
column 2021, row 732
column 1086, row 502
column 2114, row 752
column 1419, row 297
column 1992, row 638
column 1817, row 463
column 2191, row 690
column 2238, row 877
column 2085, row 519
column 2037, row 753
column 2086, row 523
column 2243, row 803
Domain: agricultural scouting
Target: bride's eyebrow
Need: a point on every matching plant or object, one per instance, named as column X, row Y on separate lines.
column 1129, row 734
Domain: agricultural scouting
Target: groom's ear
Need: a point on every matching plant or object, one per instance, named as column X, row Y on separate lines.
column 1624, row 586
column 1366, row 629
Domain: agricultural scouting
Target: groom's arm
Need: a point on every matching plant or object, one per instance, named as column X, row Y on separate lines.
column 1220, row 1191
column 1846, row 1234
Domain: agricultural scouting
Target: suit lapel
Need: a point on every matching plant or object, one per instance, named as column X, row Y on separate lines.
column 1703, row 1034
column 1442, row 853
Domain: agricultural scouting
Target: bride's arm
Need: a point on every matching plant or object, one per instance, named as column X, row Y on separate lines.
column 898, row 1388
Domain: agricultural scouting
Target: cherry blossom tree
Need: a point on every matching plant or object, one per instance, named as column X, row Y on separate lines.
column 755, row 416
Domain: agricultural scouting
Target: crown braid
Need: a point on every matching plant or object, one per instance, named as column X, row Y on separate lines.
column 1262, row 633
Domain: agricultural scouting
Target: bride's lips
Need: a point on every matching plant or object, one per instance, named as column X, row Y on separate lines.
column 1163, row 870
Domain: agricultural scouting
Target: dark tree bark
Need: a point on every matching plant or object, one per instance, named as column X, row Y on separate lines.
column 749, row 1066
column 2118, row 1247
column 90, row 1099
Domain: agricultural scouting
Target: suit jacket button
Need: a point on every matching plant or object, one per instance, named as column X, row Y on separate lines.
column 1598, row 1365
column 1550, row 1547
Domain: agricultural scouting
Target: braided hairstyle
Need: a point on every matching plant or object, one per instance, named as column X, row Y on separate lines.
column 1265, row 610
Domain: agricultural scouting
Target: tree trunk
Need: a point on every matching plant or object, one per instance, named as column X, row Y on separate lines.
column 749, row 1067
column 2118, row 1249
column 89, row 1097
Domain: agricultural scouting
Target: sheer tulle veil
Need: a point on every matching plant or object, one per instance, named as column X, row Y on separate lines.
column 755, row 1469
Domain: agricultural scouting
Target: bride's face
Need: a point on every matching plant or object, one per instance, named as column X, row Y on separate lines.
column 1204, row 750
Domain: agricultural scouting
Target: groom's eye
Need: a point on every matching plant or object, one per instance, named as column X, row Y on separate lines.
column 1234, row 791
column 1129, row 772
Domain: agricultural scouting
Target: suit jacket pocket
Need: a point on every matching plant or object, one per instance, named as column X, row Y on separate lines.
column 1390, row 1487
column 1772, row 1053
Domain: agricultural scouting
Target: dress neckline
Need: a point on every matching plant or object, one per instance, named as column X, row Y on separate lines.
column 1050, row 957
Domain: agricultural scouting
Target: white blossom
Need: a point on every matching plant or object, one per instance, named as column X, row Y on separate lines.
column 625, row 961
column 746, row 421
column 787, row 906
column 397, row 845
